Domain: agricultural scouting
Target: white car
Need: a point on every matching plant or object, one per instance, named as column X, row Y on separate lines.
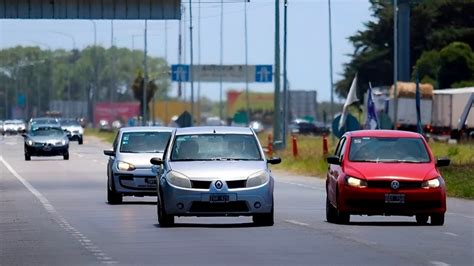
column 73, row 129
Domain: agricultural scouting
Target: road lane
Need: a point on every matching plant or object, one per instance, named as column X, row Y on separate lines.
column 129, row 234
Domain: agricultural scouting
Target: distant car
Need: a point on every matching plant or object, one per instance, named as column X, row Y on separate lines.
column 385, row 172
column 104, row 125
column 214, row 121
column 257, row 126
column 129, row 171
column 304, row 127
column 215, row 171
column 11, row 127
column 73, row 129
column 46, row 140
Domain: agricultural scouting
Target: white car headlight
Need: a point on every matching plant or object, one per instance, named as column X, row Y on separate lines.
column 258, row 179
column 81, row 131
column 30, row 142
column 178, row 179
column 355, row 182
column 123, row 166
column 63, row 142
column 432, row 183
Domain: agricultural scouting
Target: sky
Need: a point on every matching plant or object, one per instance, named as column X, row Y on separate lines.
column 308, row 38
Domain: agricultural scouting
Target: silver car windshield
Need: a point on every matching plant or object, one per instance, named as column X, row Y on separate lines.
column 372, row 149
column 143, row 142
column 47, row 131
column 210, row 147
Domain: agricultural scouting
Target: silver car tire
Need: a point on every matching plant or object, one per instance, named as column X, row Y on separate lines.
column 164, row 219
column 264, row 219
column 113, row 197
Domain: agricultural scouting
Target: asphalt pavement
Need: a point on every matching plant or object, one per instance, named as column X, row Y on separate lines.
column 54, row 212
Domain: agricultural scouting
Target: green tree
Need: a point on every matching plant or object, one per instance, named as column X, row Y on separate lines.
column 434, row 25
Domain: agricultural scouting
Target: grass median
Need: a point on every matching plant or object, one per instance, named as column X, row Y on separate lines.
column 106, row 136
column 459, row 176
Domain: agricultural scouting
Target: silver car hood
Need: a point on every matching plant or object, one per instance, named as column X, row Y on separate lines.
column 224, row 170
column 139, row 160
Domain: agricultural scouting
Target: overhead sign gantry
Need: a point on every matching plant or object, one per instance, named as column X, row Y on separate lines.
column 90, row 9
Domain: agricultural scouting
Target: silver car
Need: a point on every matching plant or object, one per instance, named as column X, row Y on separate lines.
column 215, row 171
column 129, row 171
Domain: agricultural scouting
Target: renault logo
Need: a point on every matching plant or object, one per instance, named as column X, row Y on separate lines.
column 395, row 185
column 218, row 184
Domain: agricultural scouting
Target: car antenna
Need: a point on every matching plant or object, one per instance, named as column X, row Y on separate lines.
column 214, row 130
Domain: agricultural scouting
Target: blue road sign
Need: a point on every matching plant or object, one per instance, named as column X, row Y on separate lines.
column 263, row 73
column 180, row 72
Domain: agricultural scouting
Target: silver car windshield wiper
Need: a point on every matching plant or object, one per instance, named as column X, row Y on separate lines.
column 230, row 159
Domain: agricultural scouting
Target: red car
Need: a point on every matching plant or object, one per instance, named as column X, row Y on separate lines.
column 385, row 172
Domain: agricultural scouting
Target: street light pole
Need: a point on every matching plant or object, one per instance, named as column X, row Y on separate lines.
column 285, row 75
column 276, row 104
column 247, row 96
column 221, row 113
column 92, row 95
column 330, row 64
column 395, row 61
column 145, row 76
column 191, row 57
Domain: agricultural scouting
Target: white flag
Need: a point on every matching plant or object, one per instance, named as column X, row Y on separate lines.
column 351, row 98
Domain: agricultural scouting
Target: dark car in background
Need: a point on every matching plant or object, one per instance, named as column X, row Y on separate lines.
column 305, row 127
column 46, row 140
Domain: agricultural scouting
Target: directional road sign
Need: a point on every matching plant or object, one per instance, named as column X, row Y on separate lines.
column 263, row 73
column 226, row 73
column 180, row 72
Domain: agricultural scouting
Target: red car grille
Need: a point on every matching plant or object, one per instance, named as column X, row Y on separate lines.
column 386, row 184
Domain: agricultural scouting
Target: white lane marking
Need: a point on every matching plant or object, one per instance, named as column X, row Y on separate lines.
column 300, row 185
column 296, row 222
column 450, row 234
column 439, row 263
column 95, row 161
column 61, row 221
column 80, row 155
column 461, row 215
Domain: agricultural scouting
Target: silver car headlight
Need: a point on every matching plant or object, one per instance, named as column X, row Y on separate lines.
column 123, row 166
column 432, row 183
column 258, row 179
column 64, row 142
column 355, row 182
column 178, row 179
column 30, row 142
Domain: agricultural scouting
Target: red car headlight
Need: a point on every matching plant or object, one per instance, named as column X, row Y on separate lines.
column 355, row 182
column 432, row 183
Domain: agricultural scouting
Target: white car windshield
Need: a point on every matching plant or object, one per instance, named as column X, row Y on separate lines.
column 208, row 147
column 143, row 142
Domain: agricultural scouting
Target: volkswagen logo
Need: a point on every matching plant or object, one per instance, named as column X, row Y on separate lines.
column 395, row 185
column 218, row 184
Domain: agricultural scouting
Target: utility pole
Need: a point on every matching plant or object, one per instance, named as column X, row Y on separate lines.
column 285, row 76
column 331, row 85
column 180, row 50
column 395, row 61
column 276, row 104
column 191, row 58
column 166, row 59
column 247, row 97
column 221, row 107
column 145, row 76
column 199, row 63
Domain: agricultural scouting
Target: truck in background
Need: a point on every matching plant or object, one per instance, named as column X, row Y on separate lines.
column 406, row 109
column 448, row 107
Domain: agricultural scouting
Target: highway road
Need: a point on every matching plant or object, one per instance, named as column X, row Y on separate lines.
column 54, row 212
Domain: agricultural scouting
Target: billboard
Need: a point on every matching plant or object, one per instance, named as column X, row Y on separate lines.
column 121, row 111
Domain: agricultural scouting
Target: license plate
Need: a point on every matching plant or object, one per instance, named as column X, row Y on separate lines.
column 394, row 198
column 219, row 198
column 150, row 181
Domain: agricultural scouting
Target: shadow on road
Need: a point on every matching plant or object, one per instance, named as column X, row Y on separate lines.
column 235, row 225
column 134, row 203
column 386, row 224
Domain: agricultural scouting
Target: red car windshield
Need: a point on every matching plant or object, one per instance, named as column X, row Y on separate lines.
column 374, row 149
